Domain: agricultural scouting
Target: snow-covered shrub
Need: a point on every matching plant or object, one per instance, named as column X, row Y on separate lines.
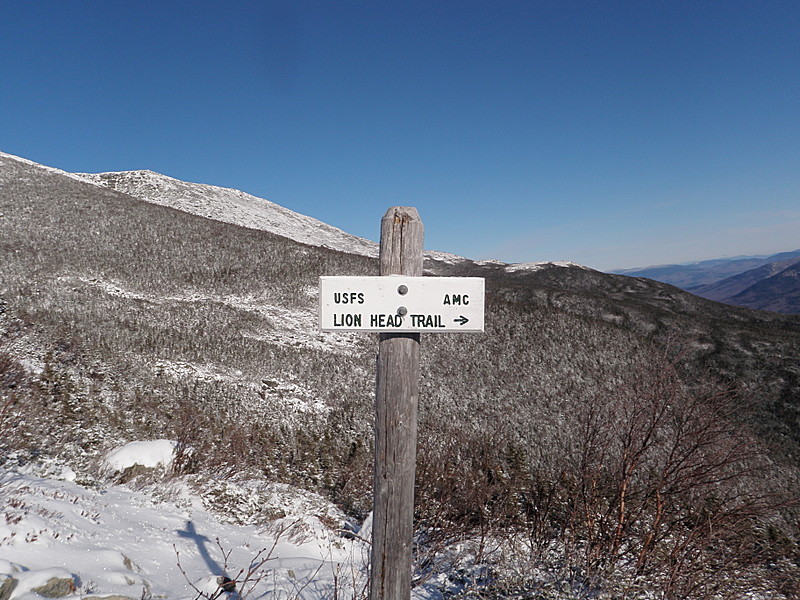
column 134, row 459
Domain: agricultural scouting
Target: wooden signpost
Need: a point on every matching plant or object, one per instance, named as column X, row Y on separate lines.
column 399, row 304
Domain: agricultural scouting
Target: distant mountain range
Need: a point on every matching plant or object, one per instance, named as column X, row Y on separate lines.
column 762, row 282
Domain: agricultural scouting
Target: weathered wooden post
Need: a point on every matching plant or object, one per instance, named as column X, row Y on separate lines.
column 397, row 392
column 399, row 304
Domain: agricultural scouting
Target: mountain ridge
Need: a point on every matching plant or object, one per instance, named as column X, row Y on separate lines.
column 780, row 292
column 731, row 286
column 688, row 276
column 230, row 206
column 237, row 207
column 727, row 280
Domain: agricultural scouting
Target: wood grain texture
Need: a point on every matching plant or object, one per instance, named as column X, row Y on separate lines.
column 396, row 398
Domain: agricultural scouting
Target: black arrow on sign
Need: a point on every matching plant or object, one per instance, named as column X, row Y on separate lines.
column 462, row 320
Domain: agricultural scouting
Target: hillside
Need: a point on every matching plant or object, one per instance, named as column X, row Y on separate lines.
column 231, row 206
column 779, row 292
column 731, row 286
column 752, row 282
column 706, row 272
column 602, row 429
column 236, row 207
column 774, row 287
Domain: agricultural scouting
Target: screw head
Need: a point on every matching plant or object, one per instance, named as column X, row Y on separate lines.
column 402, row 290
column 402, row 311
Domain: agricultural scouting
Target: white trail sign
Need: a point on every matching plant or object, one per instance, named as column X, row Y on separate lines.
column 400, row 304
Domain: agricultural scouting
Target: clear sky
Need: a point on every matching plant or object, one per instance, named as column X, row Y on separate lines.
column 613, row 134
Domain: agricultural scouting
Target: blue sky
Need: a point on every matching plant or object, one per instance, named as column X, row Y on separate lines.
column 613, row 134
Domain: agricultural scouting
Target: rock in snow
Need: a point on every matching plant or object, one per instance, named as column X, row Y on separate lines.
column 148, row 454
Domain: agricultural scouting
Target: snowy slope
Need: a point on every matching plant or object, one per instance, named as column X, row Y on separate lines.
column 46, row 168
column 163, row 542
column 231, row 206
column 176, row 538
column 239, row 208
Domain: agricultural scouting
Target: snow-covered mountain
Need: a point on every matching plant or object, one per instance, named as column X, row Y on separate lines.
column 231, row 206
column 240, row 208
column 221, row 204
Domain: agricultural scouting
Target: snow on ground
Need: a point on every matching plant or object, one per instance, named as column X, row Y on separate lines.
column 176, row 538
column 160, row 541
column 149, row 454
